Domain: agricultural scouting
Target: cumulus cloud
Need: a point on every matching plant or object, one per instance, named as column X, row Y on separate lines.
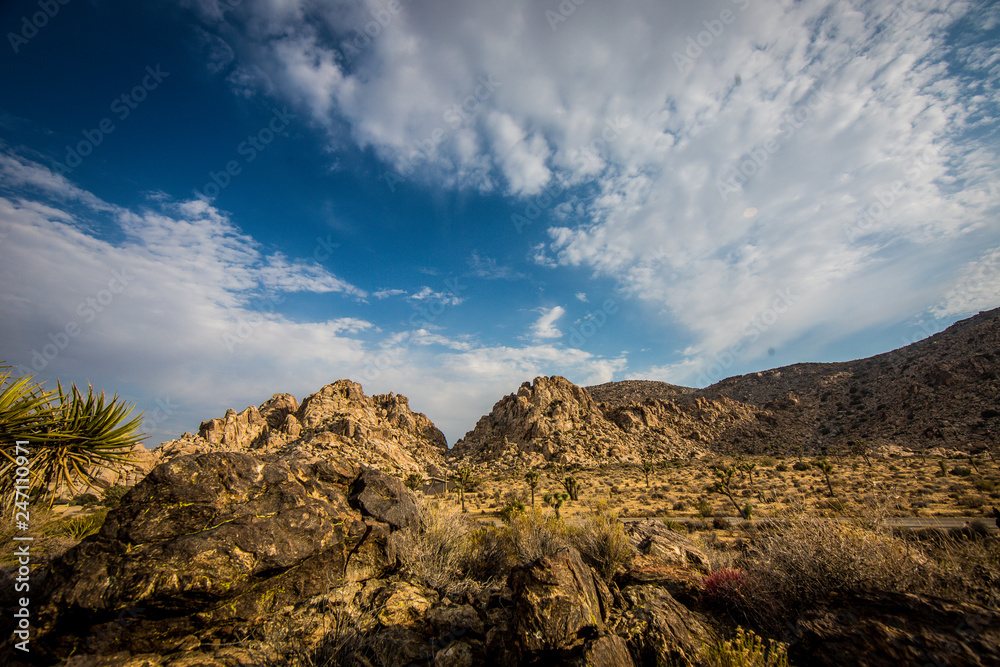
column 820, row 147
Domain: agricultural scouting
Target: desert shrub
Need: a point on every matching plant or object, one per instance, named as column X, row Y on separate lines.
column 675, row 526
column 781, row 467
column 85, row 500
column 971, row 500
column 705, row 509
column 746, row 650
column 724, row 588
column 601, row 541
column 511, row 508
column 720, row 524
column 984, row 485
column 693, row 526
column 796, row 564
column 436, row 553
column 486, row 556
column 680, row 506
column 78, row 527
column 534, row 534
column 113, row 495
column 767, row 461
column 961, row 471
column 801, row 465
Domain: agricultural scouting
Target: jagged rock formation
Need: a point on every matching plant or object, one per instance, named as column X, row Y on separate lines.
column 380, row 431
column 552, row 419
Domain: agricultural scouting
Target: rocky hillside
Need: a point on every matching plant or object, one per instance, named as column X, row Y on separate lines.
column 379, row 431
column 637, row 391
column 943, row 391
column 552, row 419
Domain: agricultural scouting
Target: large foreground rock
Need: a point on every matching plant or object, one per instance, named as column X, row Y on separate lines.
column 223, row 550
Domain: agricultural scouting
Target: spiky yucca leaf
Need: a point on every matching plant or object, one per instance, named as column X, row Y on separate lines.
column 72, row 436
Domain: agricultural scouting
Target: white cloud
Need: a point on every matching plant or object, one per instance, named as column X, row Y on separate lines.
column 582, row 296
column 976, row 288
column 184, row 312
column 763, row 164
column 545, row 325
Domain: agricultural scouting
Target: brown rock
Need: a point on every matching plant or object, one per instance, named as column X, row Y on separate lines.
column 558, row 602
column 882, row 629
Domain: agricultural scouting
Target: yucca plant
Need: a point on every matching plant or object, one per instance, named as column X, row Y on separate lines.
column 71, row 436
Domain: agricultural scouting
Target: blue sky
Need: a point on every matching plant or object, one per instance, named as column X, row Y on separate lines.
column 205, row 202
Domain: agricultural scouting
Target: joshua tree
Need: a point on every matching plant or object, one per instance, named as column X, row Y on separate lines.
column 827, row 468
column 555, row 500
column 648, row 462
column 414, row 481
column 748, row 467
column 71, row 436
column 724, row 486
column 862, row 448
column 572, row 487
column 463, row 480
column 531, row 477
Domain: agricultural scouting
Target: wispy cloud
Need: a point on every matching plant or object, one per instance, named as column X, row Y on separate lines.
column 545, row 325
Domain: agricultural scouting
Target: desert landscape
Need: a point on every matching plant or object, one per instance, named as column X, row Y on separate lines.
column 763, row 520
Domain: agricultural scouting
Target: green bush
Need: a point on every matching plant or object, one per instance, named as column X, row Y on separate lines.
column 511, row 508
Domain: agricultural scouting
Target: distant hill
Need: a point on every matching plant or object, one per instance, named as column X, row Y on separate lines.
column 942, row 391
column 636, row 391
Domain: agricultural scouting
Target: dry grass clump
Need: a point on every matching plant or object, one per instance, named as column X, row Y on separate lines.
column 533, row 534
column 436, row 553
column 796, row 564
column 746, row 650
column 601, row 541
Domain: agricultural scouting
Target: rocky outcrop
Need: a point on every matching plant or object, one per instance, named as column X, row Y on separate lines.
column 207, row 549
column 379, row 431
column 552, row 419
column 559, row 603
